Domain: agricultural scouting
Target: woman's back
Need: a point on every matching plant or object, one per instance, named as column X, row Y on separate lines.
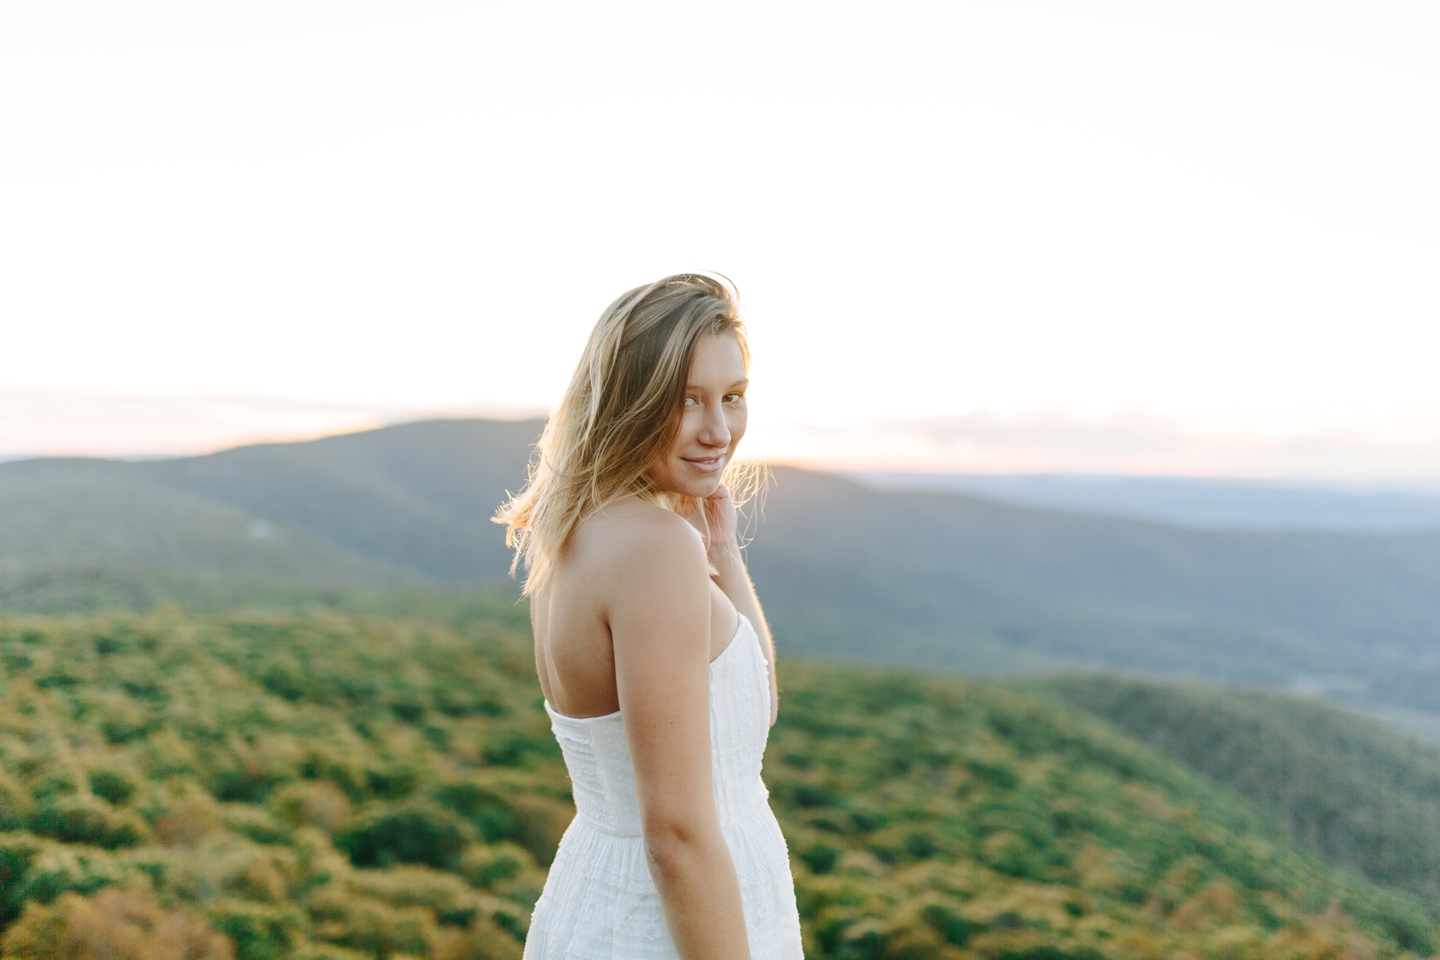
column 600, row 900
column 574, row 645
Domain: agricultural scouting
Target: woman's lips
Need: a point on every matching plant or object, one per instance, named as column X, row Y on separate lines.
column 706, row 464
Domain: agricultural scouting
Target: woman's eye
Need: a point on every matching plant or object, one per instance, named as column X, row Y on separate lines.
column 732, row 398
column 690, row 402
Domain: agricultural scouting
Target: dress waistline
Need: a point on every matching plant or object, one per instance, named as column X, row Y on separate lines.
column 758, row 804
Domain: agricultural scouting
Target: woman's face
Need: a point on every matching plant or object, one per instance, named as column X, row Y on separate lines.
column 712, row 420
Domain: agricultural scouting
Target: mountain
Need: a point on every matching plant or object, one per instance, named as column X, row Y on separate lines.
column 1207, row 502
column 930, row 579
column 319, row 786
column 417, row 497
column 950, row 581
column 64, row 510
column 406, row 505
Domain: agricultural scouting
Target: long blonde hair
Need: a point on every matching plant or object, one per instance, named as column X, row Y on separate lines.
column 619, row 414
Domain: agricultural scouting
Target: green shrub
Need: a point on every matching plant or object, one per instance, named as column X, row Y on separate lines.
column 518, row 748
column 445, row 895
column 413, row 833
column 244, row 773
column 313, row 803
column 492, row 816
column 373, row 926
column 819, row 857
column 89, row 821
column 116, row 786
column 17, row 850
column 491, row 866
column 393, row 781
column 540, row 822
column 948, row 923
column 53, row 782
column 254, row 822
column 258, row 931
column 14, row 803
column 55, row 869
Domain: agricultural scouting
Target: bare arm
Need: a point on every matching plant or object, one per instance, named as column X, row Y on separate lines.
column 659, row 615
column 734, row 579
column 723, row 550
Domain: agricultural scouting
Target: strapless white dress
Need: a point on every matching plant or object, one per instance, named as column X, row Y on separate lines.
column 599, row 902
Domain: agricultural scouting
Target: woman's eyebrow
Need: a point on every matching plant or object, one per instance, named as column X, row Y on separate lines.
column 742, row 382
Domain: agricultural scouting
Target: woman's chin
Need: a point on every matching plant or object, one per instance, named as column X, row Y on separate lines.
column 697, row 487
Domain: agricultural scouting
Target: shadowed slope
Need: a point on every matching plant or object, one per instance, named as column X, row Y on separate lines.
column 967, row 584
column 417, row 496
column 1342, row 784
column 64, row 514
column 385, row 507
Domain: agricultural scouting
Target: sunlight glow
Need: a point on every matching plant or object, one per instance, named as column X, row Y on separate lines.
column 1222, row 217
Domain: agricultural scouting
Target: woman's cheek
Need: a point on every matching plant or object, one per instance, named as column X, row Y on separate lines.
column 736, row 422
column 689, row 426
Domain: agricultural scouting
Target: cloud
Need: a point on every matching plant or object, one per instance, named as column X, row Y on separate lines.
column 1054, row 442
column 57, row 423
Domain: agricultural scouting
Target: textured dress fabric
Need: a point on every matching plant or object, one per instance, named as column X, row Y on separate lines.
column 599, row 902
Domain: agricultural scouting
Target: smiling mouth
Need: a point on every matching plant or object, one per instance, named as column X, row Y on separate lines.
column 706, row 464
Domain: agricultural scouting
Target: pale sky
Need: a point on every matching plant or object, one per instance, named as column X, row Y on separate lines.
column 1161, row 237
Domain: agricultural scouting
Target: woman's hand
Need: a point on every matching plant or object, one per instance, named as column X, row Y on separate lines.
column 715, row 518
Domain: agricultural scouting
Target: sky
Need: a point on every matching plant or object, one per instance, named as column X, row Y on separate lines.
column 1167, row 237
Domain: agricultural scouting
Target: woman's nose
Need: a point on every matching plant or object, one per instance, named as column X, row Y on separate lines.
column 715, row 432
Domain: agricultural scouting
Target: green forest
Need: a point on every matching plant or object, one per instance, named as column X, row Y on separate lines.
column 381, row 782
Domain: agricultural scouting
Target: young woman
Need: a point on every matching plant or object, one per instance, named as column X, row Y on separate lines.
column 655, row 661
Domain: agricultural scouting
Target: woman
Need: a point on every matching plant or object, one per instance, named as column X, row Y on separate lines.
column 655, row 661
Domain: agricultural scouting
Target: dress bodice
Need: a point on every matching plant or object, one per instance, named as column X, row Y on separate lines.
column 599, row 901
column 598, row 755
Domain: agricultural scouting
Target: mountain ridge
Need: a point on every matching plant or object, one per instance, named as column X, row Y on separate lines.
column 1233, row 503
column 927, row 579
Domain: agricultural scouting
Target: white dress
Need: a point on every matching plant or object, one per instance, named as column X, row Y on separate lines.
column 599, row 902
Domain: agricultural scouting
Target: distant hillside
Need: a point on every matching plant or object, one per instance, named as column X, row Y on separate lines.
column 61, row 511
column 407, row 504
column 1339, row 783
column 939, row 580
column 417, row 497
column 1210, row 502
column 952, row 581
column 325, row 787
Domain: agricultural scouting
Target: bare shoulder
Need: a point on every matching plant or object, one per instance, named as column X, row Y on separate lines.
column 632, row 539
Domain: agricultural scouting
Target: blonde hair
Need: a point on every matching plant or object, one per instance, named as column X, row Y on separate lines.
column 619, row 414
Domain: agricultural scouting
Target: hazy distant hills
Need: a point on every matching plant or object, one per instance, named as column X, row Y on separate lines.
column 67, row 510
column 930, row 579
column 1217, row 503
column 417, row 498
column 404, row 504
column 959, row 582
